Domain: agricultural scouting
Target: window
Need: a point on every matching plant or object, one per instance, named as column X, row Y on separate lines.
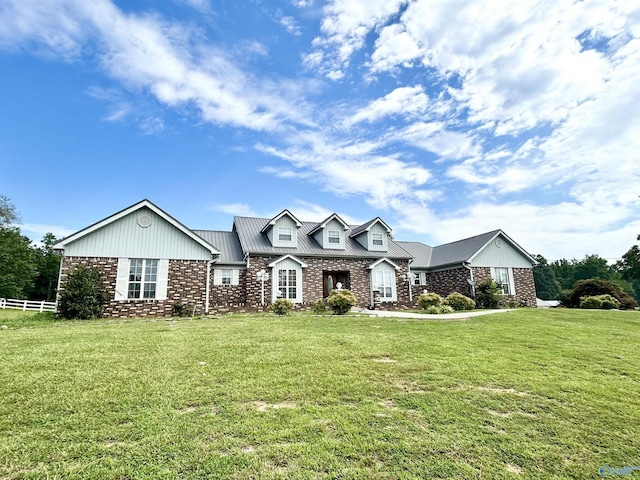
column 285, row 234
column 143, row 277
column 333, row 236
column 416, row 279
column 384, row 284
column 225, row 278
column 288, row 284
column 502, row 280
column 377, row 238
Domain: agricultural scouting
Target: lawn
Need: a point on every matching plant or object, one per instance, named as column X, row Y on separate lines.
column 523, row 394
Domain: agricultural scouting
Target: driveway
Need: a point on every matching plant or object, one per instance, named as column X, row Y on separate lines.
column 426, row 316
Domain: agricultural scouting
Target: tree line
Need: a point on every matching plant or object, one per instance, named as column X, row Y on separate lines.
column 27, row 271
column 554, row 280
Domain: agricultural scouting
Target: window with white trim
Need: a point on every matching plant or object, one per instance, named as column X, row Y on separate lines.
column 143, row 278
column 288, row 284
column 333, row 236
column 285, row 234
column 384, row 284
column 502, row 280
column 377, row 238
column 225, row 277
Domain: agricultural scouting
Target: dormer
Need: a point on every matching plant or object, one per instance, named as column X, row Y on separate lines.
column 330, row 233
column 373, row 235
column 282, row 230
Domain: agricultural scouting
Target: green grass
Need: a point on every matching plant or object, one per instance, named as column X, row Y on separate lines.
column 524, row 394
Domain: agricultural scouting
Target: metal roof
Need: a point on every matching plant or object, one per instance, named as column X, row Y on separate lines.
column 459, row 251
column 226, row 242
column 254, row 242
column 420, row 251
column 365, row 226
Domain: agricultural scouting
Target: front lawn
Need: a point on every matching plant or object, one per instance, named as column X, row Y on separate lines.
column 523, row 394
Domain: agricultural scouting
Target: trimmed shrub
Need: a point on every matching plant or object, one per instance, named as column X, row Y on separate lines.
column 606, row 302
column 282, row 306
column 426, row 300
column 488, row 294
column 319, row 307
column 459, row 302
column 597, row 286
column 84, row 295
column 341, row 301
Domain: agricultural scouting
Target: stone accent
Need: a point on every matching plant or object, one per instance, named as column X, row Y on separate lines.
column 187, row 280
column 525, row 286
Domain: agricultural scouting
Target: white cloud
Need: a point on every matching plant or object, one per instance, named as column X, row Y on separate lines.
column 172, row 61
column 236, row 209
column 405, row 101
column 36, row 231
column 291, row 26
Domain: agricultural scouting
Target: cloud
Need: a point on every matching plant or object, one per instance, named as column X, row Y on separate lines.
column 290, row 25
column 36, row 231
column 173, row 62
column 405, row 101
column 236, row 209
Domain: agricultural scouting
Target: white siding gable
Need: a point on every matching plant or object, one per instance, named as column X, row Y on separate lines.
column 285, row 226
column 500, row 253
column 333, row 229
column 140, row 234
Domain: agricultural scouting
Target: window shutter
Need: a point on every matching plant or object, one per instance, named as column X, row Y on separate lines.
column 512, row 283
column 217, row 276
column 163, row 279
column 235, row 277
column 122, row 279
column 493, row 274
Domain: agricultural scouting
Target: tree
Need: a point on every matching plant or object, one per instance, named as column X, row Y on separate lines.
column 629, row 268
column 547, row 286
column 592, row 266
column 488, row 294
column 84, row 295
column 564, row 271
column 48, row 263
column 18, row 266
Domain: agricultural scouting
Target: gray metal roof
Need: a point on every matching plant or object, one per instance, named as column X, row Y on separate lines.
column 420, row 251
column 361, row 228
column 254, row 242
column 226, row 242
column 449, row 253
column 323, row 223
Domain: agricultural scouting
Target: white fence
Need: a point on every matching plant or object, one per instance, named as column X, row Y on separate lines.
column 27, row 305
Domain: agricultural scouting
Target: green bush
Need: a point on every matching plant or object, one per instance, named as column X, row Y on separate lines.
column 488, row 294
column 341, row 301
column 459, row 302
column 597, row 286
column 282, row 306
column 438, row 310
column 84, row 295
column 426, row 300
column 182, row 309
column 319, row 307
column 606, row 302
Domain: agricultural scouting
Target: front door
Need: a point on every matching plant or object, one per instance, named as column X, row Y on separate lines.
column 330, row 280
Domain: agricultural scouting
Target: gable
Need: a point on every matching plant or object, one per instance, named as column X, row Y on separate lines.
column 141, row 233
column 500, row 252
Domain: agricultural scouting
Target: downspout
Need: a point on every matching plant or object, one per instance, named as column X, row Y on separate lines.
column 467, row 265
column 59, row 278
column 207, row 289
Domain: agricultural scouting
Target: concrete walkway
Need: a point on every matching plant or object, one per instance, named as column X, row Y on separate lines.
column 426, row 316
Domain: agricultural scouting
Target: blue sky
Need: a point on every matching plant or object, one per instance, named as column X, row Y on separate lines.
column 445, row 118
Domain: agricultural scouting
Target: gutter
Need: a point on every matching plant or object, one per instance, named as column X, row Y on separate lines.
column 208, row 287
column 467, row 265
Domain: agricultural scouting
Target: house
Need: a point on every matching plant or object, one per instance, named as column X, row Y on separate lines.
column 150, row 262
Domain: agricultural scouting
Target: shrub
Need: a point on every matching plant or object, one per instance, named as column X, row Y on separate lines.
column 606, row 302
column 319, row 307
column 341, row 301
column 440, row 309
column 426, row 300
column 597, row 286
column 564, row 297
column 488, row 294
column 84, row 296
column 459, row 302
column 282, row 306
column 182, row 309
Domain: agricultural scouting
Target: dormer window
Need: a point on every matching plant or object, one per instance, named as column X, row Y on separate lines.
column 333, row 236
column 285, row 234
column 377, row 238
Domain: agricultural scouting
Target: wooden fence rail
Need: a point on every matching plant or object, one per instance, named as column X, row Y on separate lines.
column 27, row 305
